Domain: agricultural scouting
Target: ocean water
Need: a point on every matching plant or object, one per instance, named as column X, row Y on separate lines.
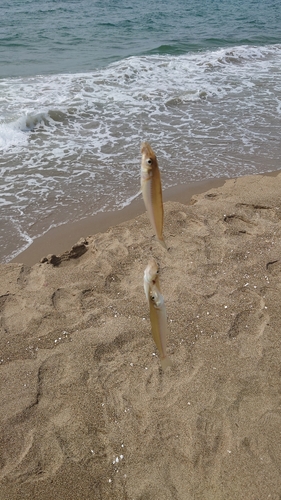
column 83, row 83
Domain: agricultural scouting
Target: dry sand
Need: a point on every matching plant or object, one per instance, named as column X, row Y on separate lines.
column 86, row 411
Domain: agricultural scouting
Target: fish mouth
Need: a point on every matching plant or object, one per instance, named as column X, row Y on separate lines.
column 147, row 150
column 143, row 147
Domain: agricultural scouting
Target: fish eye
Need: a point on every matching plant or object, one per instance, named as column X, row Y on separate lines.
column 149, row 161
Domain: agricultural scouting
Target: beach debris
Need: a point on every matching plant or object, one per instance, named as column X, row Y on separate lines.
column 74, row 253
column 157, row 310
column 152, row 190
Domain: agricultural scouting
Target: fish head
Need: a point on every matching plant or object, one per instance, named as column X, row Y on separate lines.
column 156, row 298
column 150, row 278
column 151, row 271
column 149, row 160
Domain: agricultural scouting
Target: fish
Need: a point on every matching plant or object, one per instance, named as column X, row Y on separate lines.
column 151, row 278
column 152, row 190
column 159, row 325
column 157, row 310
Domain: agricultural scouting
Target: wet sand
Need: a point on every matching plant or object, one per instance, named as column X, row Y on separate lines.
column 86, row 411
column 61, row 238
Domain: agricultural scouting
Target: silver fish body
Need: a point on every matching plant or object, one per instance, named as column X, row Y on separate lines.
column 152, row 190
column 159, row 325
column 157, row 310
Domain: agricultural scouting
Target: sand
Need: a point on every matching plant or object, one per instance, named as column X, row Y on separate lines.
column 86, row 411
column 61, row 238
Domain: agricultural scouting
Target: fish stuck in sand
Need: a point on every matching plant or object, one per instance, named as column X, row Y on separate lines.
column 157, row 309
column 152, row 190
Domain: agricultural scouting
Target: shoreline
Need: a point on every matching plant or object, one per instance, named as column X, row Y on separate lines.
column 61, row 238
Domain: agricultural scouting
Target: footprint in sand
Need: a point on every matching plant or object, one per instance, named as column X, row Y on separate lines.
column 249, row 325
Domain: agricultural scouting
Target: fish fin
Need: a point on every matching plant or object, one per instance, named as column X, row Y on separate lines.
column 165, row 362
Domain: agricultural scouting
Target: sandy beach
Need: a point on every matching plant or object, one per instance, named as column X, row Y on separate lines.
column 60, row 239
column 86, row 411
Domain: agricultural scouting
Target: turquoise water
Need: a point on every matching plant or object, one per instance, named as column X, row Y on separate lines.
column 83, row 83
column 43, row 37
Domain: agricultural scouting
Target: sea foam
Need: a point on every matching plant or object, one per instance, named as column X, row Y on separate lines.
column 70, row 142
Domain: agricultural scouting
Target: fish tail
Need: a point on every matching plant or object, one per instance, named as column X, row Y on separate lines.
column 162, row 242
column 165, row 362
